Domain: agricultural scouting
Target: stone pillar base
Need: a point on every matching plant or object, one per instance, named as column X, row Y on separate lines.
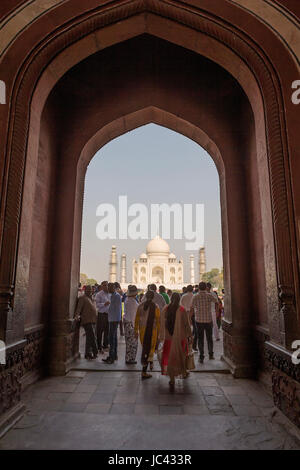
column 11, row 417
column 239, row 351
column 64, row 347
column 240, row 371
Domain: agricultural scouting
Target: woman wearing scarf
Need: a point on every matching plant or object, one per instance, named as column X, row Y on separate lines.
column 147, row 324
column 175, row 333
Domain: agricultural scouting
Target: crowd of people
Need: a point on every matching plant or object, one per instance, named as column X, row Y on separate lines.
column 170, row 324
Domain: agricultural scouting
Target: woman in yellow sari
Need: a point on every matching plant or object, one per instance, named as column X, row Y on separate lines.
column 147, row 324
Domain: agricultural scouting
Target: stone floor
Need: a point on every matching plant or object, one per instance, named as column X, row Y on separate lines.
column 216, row 365
column 116, row 410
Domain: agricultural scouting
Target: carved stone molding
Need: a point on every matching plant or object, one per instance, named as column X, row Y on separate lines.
column 20, row 360
column 281, row 360
column 286, row 394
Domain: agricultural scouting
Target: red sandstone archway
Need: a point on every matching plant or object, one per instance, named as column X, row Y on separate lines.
column 70, row 189
column 270, row 206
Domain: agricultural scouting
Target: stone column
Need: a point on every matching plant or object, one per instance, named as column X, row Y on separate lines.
column 192, row 269
column 123, row 269
column 202, row 263
column 113, row 264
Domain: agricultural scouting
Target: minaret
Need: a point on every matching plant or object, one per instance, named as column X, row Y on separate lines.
column 202, row 263
column 113, row 264
column 123, row 269
column 192, row 269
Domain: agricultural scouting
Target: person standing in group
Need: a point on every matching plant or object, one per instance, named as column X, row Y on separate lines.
column 162, row 291
column 87, row 315
column 157, row 299
column 114, row 317
column 186, row 299
column 201, row 306
column 147, row 325
column 130, row 309
column 175, row 332
column 214, row 308
column 169, row 292
column 119, row 291
column 219, row 312
column 186, row 302
column 102, row 304
column 80, row 291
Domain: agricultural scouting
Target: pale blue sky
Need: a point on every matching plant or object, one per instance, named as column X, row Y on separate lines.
column 150, row 164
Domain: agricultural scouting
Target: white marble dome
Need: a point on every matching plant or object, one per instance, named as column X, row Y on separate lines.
column 158, row 246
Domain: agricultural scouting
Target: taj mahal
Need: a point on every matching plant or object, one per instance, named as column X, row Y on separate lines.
column 158, row 265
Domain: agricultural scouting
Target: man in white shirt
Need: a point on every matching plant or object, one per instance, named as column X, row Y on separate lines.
column 186, row 299
column 102, row 305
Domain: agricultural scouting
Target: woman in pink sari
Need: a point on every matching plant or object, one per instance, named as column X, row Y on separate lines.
column 175, row 332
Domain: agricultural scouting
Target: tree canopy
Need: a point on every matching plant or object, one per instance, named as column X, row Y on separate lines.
column 85, row 280
column 215, row 277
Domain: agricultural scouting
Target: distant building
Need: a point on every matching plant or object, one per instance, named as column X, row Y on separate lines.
column 157, row 266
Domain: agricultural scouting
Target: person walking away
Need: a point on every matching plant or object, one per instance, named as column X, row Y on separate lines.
column 114, row 317
column 162, row 291
column 102, row 305
column 201, row 306
column 175, row 333
column 87, row 314
column 147, row 325
column 157, row 299
column 214, row 308
column 130, row 309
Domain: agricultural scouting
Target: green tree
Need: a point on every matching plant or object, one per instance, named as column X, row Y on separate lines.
column 85, row 280
column 216, row 277
column 91, row 282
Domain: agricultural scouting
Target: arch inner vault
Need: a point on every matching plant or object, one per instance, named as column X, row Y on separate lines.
column 119, row 68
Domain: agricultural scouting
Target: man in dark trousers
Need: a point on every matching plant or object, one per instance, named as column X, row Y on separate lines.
column 114, row 318
column 87, row 314
column 201, row 308
column 102, row 303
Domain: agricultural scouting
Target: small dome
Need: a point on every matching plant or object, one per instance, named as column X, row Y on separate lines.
column 172, row 256
column 158, row 246
column 143, row 256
